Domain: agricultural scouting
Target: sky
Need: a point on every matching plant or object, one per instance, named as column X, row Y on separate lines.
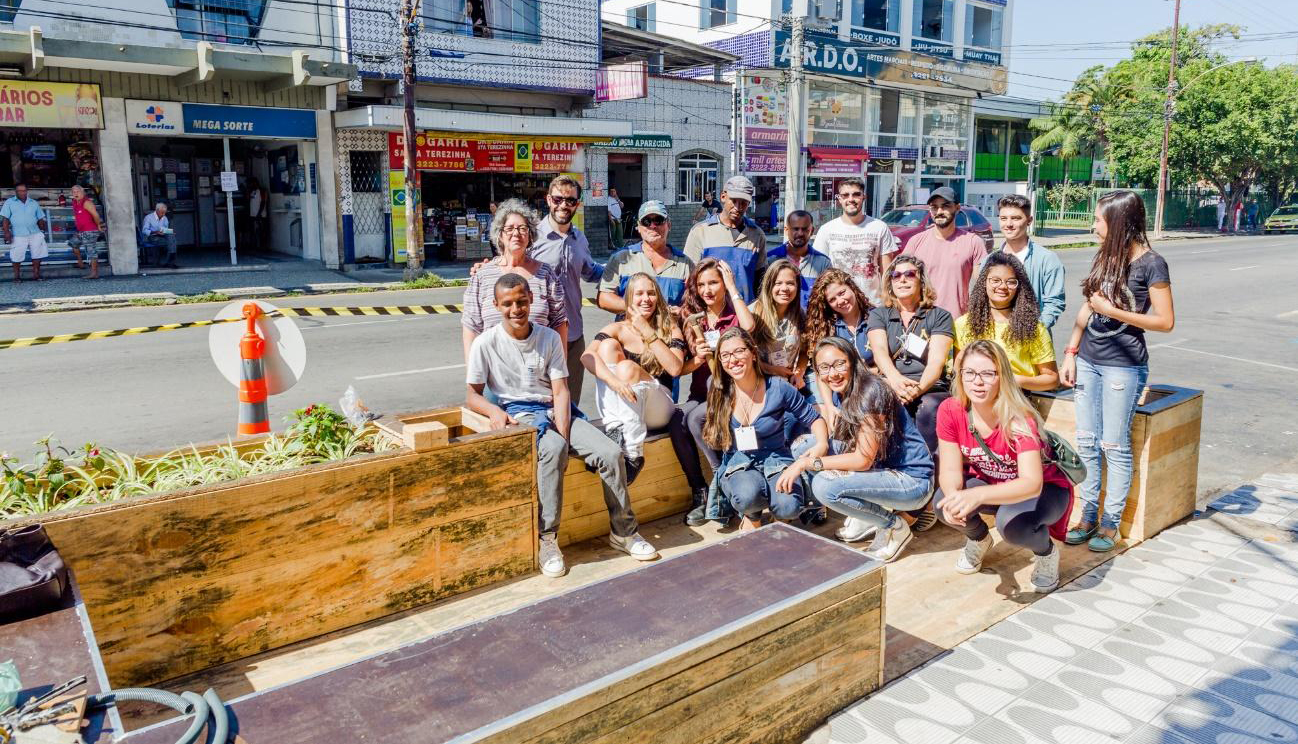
column 1054, row 40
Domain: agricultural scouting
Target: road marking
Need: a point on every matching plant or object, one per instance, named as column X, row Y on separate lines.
column 1163, row 345
column 1242, row 268
column 1234, row 358
column 1289, row 314
column 356, row 323
column 411, row 372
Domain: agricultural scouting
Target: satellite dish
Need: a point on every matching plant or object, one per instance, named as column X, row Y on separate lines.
column 285, row 356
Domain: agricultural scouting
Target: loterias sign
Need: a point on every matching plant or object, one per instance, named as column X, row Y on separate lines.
column 172, row 118
column 829, row 54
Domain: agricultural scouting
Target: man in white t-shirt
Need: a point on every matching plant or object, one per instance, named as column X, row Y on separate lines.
column 856, row 242
column 525, row 367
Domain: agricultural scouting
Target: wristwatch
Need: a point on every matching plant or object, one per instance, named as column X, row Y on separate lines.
column 817, row 465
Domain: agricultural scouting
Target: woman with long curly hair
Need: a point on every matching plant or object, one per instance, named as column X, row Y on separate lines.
column 746, row 413
column 1128, row 292
column 1002, row 308
column 837, row 307
column 634, row 362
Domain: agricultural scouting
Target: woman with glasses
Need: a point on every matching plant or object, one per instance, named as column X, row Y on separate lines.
column 993, row 459
column 746, row 410
column 1128, row 292
column 1002, row 308
column 513, row 230
column 881, row 465
column 837, row 307
column 635, row 361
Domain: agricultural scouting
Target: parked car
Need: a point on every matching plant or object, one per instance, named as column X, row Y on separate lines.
column 907, row 222
column 1283, row 219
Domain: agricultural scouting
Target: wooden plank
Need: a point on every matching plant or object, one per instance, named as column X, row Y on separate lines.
column 177, row 583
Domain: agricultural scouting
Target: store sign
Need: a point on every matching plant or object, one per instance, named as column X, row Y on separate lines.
column 828, row 54
column 875, row 38
column 765, row 163
column 30, row 103
column 933, row 48
column 882, row 165
column 982, row 57
column 638, row 142
column 836, row 166
column 766, row 139
column 622, row 82
column 172, row 118
column 484, row 156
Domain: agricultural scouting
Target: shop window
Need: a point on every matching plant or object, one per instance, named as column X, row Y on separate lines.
column 983, row 26
column 714, row 13
column 882, row 15
column 1021, row 141
column 514, row 20
column 224, row 21
column 990, row 138
column 366, row 170
column 933, row 19
column 9, row 9
column 892, row 112
column 696, row 175
column 642, row 17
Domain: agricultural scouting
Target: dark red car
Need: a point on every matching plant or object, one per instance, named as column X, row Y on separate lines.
column 907, row 222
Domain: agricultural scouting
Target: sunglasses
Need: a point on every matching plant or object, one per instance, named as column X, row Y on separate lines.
column 653, row 220
column 568, row 200
column 907, row 274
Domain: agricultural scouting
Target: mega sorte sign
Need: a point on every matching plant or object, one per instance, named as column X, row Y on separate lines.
column 827, row 53
column 30, row 103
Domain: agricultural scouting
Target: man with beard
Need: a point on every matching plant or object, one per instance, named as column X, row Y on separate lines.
column 731, row 237
column 856, row 242
column 950, row 255
column 561, row 245
column 796, row 247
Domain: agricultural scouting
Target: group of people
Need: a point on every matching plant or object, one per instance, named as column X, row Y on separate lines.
column 833, row 371
column 1242, row 214
column 24, row 224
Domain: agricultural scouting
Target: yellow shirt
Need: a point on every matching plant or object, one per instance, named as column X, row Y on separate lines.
column 1024, row 358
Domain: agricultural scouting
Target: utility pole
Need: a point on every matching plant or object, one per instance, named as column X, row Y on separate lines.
column 795, row 171
column 414, row 246
column 1168, row 104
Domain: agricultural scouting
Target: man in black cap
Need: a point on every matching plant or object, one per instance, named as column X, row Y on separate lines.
column 950, row 255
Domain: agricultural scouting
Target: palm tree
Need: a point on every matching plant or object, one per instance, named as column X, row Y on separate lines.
column 1075, row 125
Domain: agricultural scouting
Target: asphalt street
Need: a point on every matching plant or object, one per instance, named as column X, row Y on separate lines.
column 1236, row 338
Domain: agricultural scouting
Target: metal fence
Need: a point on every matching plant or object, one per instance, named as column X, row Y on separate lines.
column 1182, row 208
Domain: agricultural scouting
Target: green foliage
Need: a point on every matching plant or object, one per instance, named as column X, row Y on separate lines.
column 205, row 297
column 1063, row 196
column 426, row 280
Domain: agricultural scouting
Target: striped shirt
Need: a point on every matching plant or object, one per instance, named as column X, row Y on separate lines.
column 480, row 311
column 744, row 250
column 630, row 261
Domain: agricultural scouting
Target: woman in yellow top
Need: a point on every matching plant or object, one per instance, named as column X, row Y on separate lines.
column 1002, row 308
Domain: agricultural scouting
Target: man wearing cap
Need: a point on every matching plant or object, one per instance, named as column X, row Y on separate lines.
column 731, row 237
column 856, row 242
column 652, row 256
column 797, row 248
column 950, row 255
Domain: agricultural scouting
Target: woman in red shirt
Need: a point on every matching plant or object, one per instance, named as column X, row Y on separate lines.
column 991, row 460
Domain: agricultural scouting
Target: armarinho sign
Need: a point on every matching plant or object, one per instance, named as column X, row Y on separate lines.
column 829, row 54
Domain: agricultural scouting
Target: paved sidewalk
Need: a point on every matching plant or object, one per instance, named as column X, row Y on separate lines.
column 1190, row 637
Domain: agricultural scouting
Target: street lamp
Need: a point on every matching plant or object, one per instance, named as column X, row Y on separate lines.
column 1168, row 105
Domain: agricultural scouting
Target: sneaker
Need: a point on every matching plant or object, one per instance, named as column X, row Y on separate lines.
column 551, row 559
column 814, row 516
column 1045, row 574
column 924, row 520
column 633, row 467
column 855, row 530
column 891, row 540
column 971, row 558
column 698, row 516
column 633, row 545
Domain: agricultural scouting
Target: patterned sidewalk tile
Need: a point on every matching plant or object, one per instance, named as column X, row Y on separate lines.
column 1174, row 659
column 1265, row 656
column 1203, row 716
column 1287, row 481
column 1026, row 650
column 901, row 715
column 1056, row 713
column 997, row 731
column 974, row 679
column 1129, row 689
column 1247, row 692
column 1155, row 735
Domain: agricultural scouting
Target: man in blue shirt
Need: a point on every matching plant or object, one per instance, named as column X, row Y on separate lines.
column 797, row 248
column 156, row 233
column 23, row 222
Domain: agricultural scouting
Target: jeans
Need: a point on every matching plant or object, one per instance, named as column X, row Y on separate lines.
column 155, row 242
column 873, row 496
column 1105, row 400
column 600, row 453
column 749, row 493
column 686, row 429
column 1026, row 523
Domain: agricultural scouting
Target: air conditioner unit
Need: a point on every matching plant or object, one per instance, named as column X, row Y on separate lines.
column 824, row 10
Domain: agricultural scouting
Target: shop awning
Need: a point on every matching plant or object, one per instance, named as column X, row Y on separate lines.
column 840, row 153
column 27, row 53
column 390, row 118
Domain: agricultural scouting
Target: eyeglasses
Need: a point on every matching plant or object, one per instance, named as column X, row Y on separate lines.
column 996, row 281
column 852, row 195
column 839, row 366
column 907, row 274
column 568, row 200
column 735, row 355
column 521, row 229
column 653, row 220
column 986, row 378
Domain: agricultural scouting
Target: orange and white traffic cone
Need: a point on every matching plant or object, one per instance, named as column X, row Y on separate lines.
column 254, row 414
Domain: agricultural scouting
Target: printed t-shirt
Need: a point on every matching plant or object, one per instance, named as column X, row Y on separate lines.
column 786, row 342
column 927, row 323
column 781, row 399
column 810, row 267
column 1024, row 358
column 949, row 265
column 480, row 313
column 952, row 426
column 1111, row 343
column 630, row 261
column 516, row 370
column 743, row 249
column 856, row 249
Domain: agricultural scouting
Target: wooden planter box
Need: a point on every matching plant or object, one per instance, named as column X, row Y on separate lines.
column 1164, row 449
column 177, row 582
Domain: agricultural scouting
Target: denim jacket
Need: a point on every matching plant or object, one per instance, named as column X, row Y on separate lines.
column 540, row 412
column 768, row 462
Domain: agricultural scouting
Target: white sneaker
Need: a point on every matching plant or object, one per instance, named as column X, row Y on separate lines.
column 552, row 564
column 854, row 530
column 1045, row 574
column 971, row 558
column 891, row 540
column 633, row 545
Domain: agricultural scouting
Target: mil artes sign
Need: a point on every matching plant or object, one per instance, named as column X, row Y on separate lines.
column 827, row 53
